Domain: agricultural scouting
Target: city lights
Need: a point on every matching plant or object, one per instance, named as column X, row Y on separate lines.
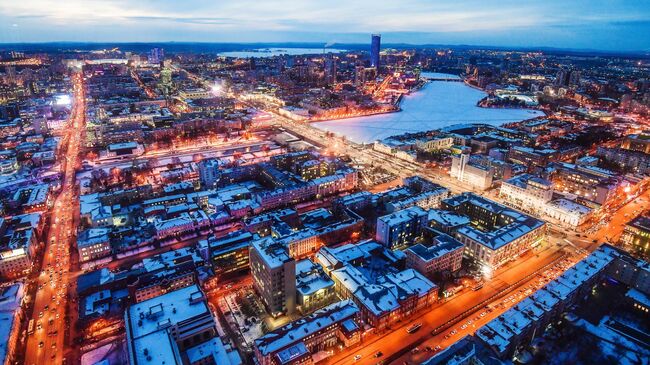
column 183, row 197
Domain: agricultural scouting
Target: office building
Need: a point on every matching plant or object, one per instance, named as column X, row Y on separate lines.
column 209, row 173
column 527, row 192
column 399, row 229
column 375, row 47
column 469, row 172
column 496, row 234
column 274, row 275
column 228, row 255
column 156, row 55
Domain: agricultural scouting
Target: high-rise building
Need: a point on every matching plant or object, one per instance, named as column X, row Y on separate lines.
column 10, row 72
column 330, row 69
column 574, row 78
column 274, row 275
column 209, row 173
column 375, row 45
column 165, row 82
column 562, row 78
column 156, row 55
column 399, row 229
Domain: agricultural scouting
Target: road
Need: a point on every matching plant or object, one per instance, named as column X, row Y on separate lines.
column 475, row 320
column 506, row 282
column 610, row 229
column 46, row 345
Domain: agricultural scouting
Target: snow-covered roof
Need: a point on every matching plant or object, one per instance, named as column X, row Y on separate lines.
column 296, row 331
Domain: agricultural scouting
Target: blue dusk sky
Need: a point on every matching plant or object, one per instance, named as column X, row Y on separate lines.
column 622, row 25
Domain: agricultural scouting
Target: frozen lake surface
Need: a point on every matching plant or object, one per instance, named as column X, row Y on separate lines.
column 438, row 104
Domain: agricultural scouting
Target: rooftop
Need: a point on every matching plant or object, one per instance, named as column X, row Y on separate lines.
column 296, row 331
column 440, row 246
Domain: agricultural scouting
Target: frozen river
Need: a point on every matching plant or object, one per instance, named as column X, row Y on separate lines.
column 438, row 104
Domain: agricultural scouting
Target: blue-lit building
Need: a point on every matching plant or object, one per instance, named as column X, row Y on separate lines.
column 375, row 45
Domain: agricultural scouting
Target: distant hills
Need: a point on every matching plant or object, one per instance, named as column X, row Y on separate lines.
column 206, row 47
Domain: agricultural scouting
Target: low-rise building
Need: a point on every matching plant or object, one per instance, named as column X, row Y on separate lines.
column 446, row 221
column 33, row 198
column 531, row 157
column 439, row 253
column 518, row 326
column 94, row 243
column 466, row 351
column 587, row 182
column 166, row 272
column 314, row 288
column 527, row 192
column 168, row 329
column 426, row 200
column 568, row 212
column 636, row 237
column 11, row 317
column 628, row 160
column 296, row 342
column 19, row 243
column 637, row 142
column 375, row 279
column 184, row 223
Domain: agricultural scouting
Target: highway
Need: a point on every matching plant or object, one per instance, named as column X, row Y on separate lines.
column 46, row 345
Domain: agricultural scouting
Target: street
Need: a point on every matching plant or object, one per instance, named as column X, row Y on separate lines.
column 505, row 284
column 47, row 343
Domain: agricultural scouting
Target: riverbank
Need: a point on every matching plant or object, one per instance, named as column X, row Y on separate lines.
column 396, row 105
column 359, row 115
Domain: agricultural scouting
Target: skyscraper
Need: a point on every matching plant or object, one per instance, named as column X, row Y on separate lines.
column 562, row 78
column 156, row 55
column 375, row 45
column 330, row 69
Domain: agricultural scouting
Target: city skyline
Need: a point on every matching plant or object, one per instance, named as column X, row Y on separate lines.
column 602, row 25
column 300, row 183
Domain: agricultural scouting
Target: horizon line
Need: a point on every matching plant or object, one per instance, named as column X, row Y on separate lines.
column 330, row 45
